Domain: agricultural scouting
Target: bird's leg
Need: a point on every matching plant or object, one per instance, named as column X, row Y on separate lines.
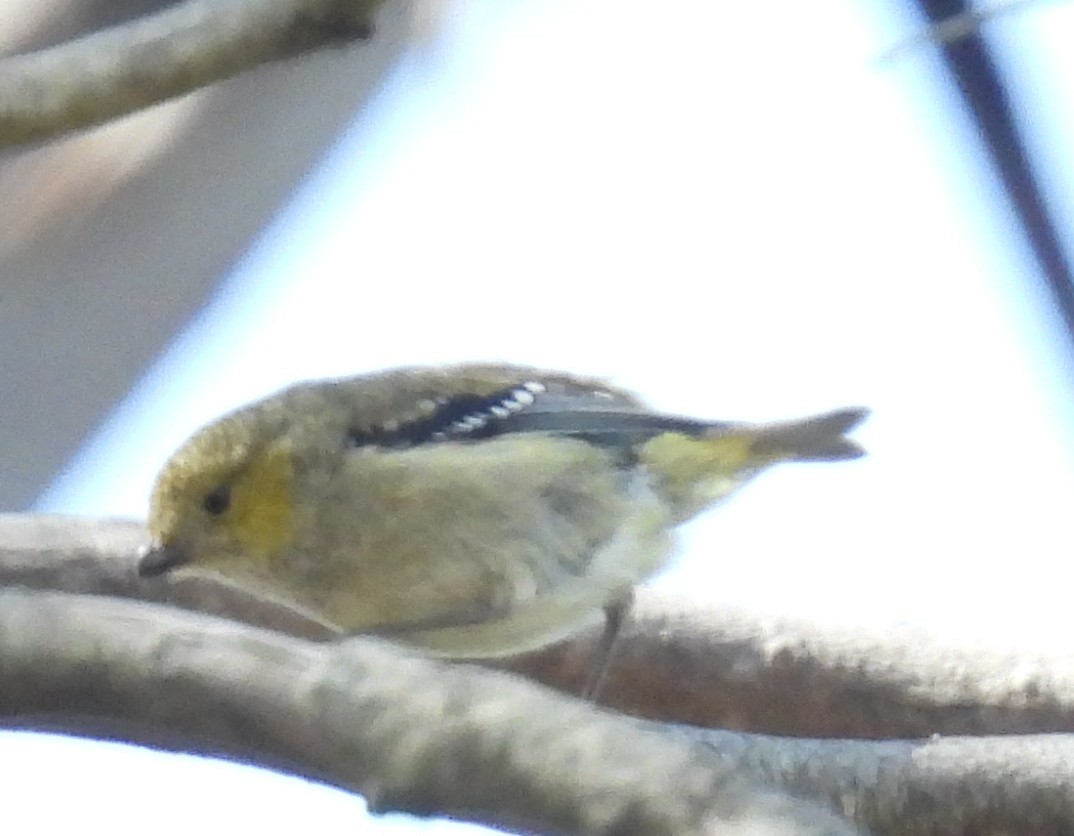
column 615, row 614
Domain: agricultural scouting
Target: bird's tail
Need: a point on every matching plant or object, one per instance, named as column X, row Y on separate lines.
column 821, row 438
column 695, row 470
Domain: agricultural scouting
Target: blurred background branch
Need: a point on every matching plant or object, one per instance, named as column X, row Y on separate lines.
column 111, row 239
column 149, row 60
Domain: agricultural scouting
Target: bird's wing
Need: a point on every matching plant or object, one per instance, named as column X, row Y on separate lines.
column 550, row 405
column 597, row 421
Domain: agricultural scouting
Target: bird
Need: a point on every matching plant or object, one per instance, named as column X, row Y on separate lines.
column 473, row 511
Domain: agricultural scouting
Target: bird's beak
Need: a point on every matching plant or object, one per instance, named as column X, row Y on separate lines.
column 160, row 559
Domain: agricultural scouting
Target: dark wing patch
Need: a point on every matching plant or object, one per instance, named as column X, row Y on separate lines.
column 463, row 417
column 528, row 407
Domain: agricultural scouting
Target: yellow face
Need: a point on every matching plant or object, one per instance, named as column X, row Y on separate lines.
column 222, row 497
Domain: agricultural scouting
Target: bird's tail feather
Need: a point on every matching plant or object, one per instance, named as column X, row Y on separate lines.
column 821, row 438
column 695, row 470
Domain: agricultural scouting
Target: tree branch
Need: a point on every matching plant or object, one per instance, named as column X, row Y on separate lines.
column 195, row 43
column 673, row 664
column 943, row 785
column 741, row 670
column 753, row 673
column 407, row 733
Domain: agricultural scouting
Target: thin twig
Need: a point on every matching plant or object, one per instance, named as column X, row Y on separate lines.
column 954, row 28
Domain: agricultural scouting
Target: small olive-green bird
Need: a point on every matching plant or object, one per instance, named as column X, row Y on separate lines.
column 474, row 511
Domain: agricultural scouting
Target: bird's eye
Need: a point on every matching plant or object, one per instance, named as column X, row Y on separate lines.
column 217, row 501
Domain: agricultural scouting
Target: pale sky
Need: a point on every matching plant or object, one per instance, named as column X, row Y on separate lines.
column 729, row 208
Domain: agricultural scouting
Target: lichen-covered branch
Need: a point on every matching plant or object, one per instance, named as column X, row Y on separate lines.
column 195, row 43
column 406, row 732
